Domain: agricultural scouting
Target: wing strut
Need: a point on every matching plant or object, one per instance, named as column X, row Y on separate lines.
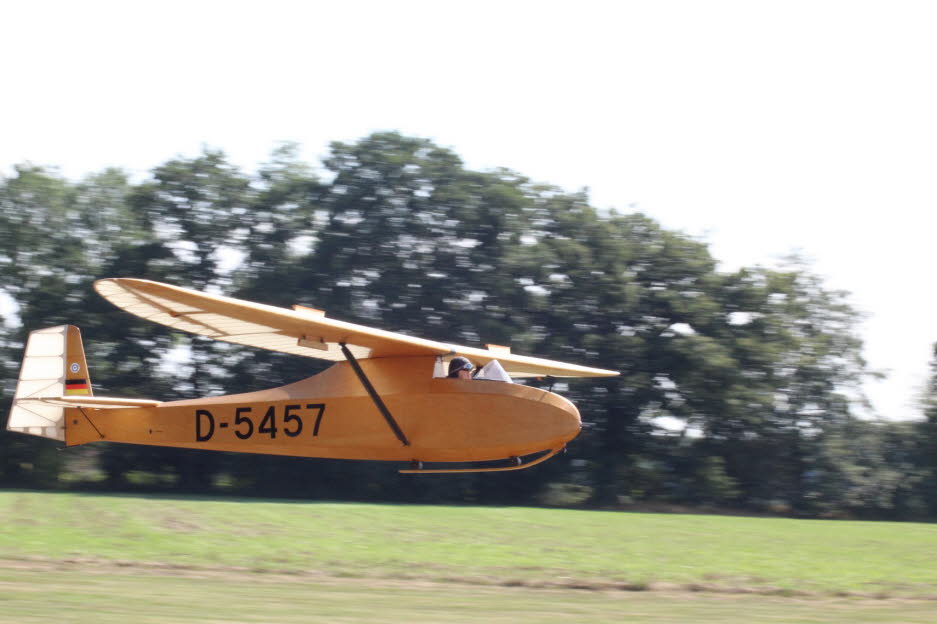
column 374, row 395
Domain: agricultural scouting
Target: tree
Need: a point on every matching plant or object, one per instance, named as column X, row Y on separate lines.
column 797, row 370
column 46, row 268
column 736, row 388
column 867, row 468
column 928, row 437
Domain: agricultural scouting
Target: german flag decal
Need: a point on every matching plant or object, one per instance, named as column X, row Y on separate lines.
column 76, row 386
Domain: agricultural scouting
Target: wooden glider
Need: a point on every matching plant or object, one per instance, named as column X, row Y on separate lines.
column 386, row 398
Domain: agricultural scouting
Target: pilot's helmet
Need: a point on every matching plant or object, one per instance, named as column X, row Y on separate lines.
column 459, row 363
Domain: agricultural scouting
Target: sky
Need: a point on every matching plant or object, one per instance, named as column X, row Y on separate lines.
column 760, row 127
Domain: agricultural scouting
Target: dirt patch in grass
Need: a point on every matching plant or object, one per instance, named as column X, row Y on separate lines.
column 178, row 525
column 235, row 573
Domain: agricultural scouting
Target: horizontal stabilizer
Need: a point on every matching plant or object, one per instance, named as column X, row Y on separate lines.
column 98, row 402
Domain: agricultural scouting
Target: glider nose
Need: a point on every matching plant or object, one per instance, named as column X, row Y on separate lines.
column 574, row 420
column 568, row 422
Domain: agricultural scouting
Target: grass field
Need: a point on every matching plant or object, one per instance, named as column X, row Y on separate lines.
column 225, row 560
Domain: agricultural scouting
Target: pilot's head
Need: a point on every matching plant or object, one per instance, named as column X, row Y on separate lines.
column 460, row 368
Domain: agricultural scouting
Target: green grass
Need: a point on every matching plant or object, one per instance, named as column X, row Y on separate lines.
column 474, row 545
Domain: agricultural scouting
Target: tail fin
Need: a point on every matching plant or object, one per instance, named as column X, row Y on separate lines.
column 53, row 366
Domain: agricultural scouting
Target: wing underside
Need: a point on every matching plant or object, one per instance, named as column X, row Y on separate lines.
column 301, row 332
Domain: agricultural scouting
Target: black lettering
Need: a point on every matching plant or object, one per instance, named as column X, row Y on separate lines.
column 287, row 417
column 200, row 435
column 269, row 424
column 238, row 419
column 321, row 408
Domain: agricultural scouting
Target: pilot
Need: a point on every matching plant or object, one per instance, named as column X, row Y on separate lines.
column 460, row 368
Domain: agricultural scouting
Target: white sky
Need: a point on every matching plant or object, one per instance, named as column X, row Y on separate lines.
column 764, row 127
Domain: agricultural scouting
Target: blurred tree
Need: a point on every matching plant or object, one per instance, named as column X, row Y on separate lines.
column 736, row 388
column 753, row 364
column 928, row 437
column 866, row 468
column 401, row 237
column 273, row 236
column 197, row 212
column 622, row 293
column 51, row 244
column 796, row 369
column 407, row 233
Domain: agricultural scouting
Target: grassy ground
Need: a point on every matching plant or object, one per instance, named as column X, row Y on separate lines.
column 214, row 560
column 477, row 544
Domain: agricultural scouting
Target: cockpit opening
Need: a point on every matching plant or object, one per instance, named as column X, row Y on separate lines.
column 492, row 371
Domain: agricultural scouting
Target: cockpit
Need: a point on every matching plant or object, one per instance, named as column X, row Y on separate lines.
column 492, row 371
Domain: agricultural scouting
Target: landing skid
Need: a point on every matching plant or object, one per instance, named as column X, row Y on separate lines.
column 520, row 465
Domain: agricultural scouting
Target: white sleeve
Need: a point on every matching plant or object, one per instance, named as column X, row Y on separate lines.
column 493, row 371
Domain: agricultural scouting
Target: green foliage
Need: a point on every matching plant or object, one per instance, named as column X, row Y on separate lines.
column 735, row 389
column 928, row 437
column 868, row 468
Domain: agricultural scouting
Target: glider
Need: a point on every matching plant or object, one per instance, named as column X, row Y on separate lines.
column 387, row 397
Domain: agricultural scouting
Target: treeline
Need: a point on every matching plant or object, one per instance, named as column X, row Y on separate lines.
column 737, row 389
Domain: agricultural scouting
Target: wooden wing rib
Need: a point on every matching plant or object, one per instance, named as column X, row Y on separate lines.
column 257, row 324
column 299, row 332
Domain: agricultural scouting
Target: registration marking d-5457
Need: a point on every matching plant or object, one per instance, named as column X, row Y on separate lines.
column 287, row 419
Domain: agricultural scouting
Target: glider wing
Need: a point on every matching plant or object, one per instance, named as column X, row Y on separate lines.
column 301, row 331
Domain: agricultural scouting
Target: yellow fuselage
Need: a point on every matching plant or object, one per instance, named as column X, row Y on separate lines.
column 331, row 415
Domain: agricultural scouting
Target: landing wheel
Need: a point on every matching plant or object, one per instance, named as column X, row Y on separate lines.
column 416, row 464
column 516, row 460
